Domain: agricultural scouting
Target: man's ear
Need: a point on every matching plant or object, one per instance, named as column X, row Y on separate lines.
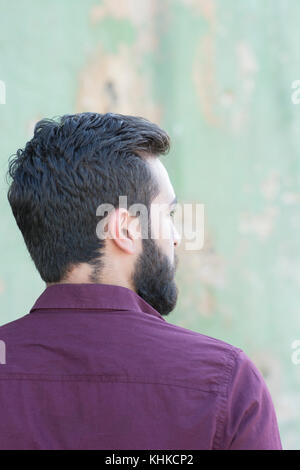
column 124, row 230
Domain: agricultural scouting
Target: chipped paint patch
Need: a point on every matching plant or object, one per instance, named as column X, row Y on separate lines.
column 246, row 59
column 203, row 70
column 203, row 75
column 290, row 198
column 271, row 369
column 227, row 98
column 261, row 225
column 205, row 265
column 271, row 186
column 113, row 83
column 141, row 14
column 206, row 8
column 247, row 67
column 288, row 269
column 205, row 269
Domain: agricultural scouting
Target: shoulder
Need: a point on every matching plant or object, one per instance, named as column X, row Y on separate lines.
column 247, row 418
column 13, row 326
column 202, row 342
column 205, row 362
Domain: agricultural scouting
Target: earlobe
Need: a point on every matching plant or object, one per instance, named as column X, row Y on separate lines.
column 125, row 244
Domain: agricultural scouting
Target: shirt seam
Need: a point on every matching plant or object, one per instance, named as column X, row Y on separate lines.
column 223, row 399
column 102, row 310
column 100, row 378
column 83, row 307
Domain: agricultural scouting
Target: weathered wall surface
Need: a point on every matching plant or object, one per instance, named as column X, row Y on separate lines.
column 217, row 75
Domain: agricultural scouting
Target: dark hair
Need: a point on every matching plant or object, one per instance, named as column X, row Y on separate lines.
column 67, row 170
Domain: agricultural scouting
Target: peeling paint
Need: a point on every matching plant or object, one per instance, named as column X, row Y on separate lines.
column 245, row 166
column 205, row 269
column 207, row 304
column 261, row 225
column 271, row 186
column 203, row 71
column 113, row 83
column 206, row 8
column 247, row 67
column 246, row 59
column 271, row 369
column 203, row 75
column 227, row 98
column 290, row 198
column 141, row 14
column 287, row 269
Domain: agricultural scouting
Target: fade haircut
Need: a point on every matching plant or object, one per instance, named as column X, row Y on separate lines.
column 70, row 166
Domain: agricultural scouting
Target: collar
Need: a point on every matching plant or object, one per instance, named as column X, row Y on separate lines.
column 92, row 296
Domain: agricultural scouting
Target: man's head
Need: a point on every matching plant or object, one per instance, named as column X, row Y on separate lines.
column 65, row 172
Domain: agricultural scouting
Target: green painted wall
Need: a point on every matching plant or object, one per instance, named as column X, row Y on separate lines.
column 217, row 75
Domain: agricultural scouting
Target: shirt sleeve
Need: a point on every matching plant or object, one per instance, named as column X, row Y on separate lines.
column 250, row 421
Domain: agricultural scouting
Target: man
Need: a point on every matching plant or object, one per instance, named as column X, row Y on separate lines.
column 95, row 364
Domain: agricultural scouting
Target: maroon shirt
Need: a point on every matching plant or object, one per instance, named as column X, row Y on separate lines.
column 94, row 366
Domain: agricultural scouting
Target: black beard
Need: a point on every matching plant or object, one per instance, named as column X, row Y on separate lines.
column 153, row 278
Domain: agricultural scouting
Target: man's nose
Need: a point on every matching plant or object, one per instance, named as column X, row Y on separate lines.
column 177, row 238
